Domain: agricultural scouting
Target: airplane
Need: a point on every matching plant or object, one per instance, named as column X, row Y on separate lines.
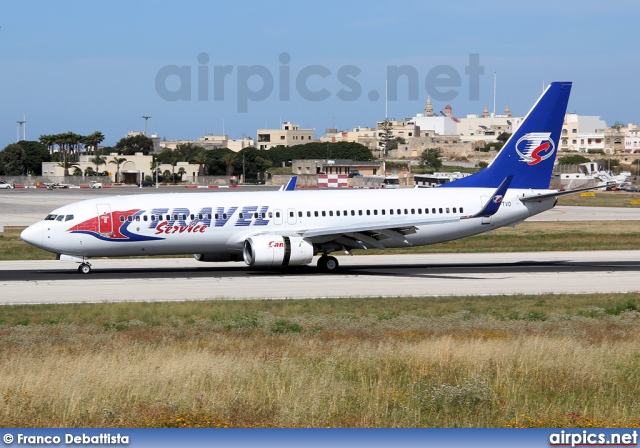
column 289, row 227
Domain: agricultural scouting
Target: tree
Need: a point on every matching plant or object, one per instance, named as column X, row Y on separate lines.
column 181, row 172
column 98, row 160
column 23, row 157
column 575, row 159
column 67, row 164
column 93, row 141
column 432, row 157
column 201, row 160
column 255, row 162
column 118, row 161
column 503, row 137
column 128, row 146
column 229, row 160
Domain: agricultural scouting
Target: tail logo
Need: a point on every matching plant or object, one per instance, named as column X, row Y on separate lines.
column 497, row 199
column 535, row 147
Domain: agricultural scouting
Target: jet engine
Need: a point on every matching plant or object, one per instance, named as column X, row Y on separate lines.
column 277, row 250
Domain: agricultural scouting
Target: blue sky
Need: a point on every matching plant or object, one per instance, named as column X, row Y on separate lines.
column 96, row 66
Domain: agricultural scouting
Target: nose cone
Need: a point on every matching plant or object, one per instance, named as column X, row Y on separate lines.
column 32, row 235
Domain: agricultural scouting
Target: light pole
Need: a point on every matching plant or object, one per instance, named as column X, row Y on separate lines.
column 156, row 165
column 146, row 123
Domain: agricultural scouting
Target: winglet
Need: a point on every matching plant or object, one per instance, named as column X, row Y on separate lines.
column 493, row 204
column 291, row 185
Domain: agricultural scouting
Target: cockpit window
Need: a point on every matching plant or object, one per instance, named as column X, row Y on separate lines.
column 60, row 218
column 68, row 218
column 50, row 217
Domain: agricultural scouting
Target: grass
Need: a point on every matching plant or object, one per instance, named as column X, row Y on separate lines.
column 601, row 199
column 550, row 360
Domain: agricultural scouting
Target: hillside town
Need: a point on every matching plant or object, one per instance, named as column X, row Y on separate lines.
column 392, row 147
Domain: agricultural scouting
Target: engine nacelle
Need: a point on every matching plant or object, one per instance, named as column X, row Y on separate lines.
column 217, row 258
column 277, row 250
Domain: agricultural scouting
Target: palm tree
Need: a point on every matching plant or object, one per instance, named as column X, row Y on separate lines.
column 201, row 160
column 181, row 172
column 93, row 140
column 229, row 160
column 99, row 160
column 118, row 161
column 67, row 165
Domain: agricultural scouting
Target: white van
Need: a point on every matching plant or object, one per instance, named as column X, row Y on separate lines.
column 391, row 182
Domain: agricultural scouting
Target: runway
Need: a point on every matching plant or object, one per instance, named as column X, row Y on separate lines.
column 361, row 276
column 172, row 279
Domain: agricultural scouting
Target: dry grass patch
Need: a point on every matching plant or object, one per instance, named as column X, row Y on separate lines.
column 341, row 362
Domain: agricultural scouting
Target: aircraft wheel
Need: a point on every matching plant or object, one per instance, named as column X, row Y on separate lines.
column 328, row 264
column 84, row 268
column 331, row 265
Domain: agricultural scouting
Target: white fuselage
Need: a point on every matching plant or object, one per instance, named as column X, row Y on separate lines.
column 186, row 223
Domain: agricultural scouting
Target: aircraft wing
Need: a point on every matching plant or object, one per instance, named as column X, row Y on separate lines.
column 363, row 235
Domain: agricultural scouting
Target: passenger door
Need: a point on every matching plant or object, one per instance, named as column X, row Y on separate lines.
column 105, row 219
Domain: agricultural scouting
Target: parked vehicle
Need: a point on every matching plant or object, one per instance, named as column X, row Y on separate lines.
column 4, row 185
column 147, row 183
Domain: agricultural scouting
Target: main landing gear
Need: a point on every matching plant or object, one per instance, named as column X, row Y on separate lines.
column 84, row 268
column 328, row 264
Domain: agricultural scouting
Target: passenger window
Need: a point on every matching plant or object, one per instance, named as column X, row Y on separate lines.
column 199, row 215
column 208, row 215
column 461, row 211
column 406, row 212
column 426, row 211
column 241, row 215
column 255, row 215
column 454, row 209
column 130, row 218
column 138, row 218
column 324, row 213
column 146, row 218
column 291, row 214
column 360, row 212
column 413, row 211
column 338, row 213
column 315, row 214
column 383, row 212
column 419, row 211
column 447, row 209
column 345, row 213
column 433, row 210
column 308, row 214
column 175, row 217
column 330, row 212
column 277, row 214
column 192, row 216
column 375, row 212
column 153, row 217
column 368, row 212
column 122, row 219
column 168, row 217
column 299, row 214
column 399, row 212
column 391, row 211
column 270, row 215
column 224, row 216
column 440, row 210
column 217, row 216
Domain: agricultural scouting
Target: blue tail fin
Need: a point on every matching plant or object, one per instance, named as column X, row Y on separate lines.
column 530, row 152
